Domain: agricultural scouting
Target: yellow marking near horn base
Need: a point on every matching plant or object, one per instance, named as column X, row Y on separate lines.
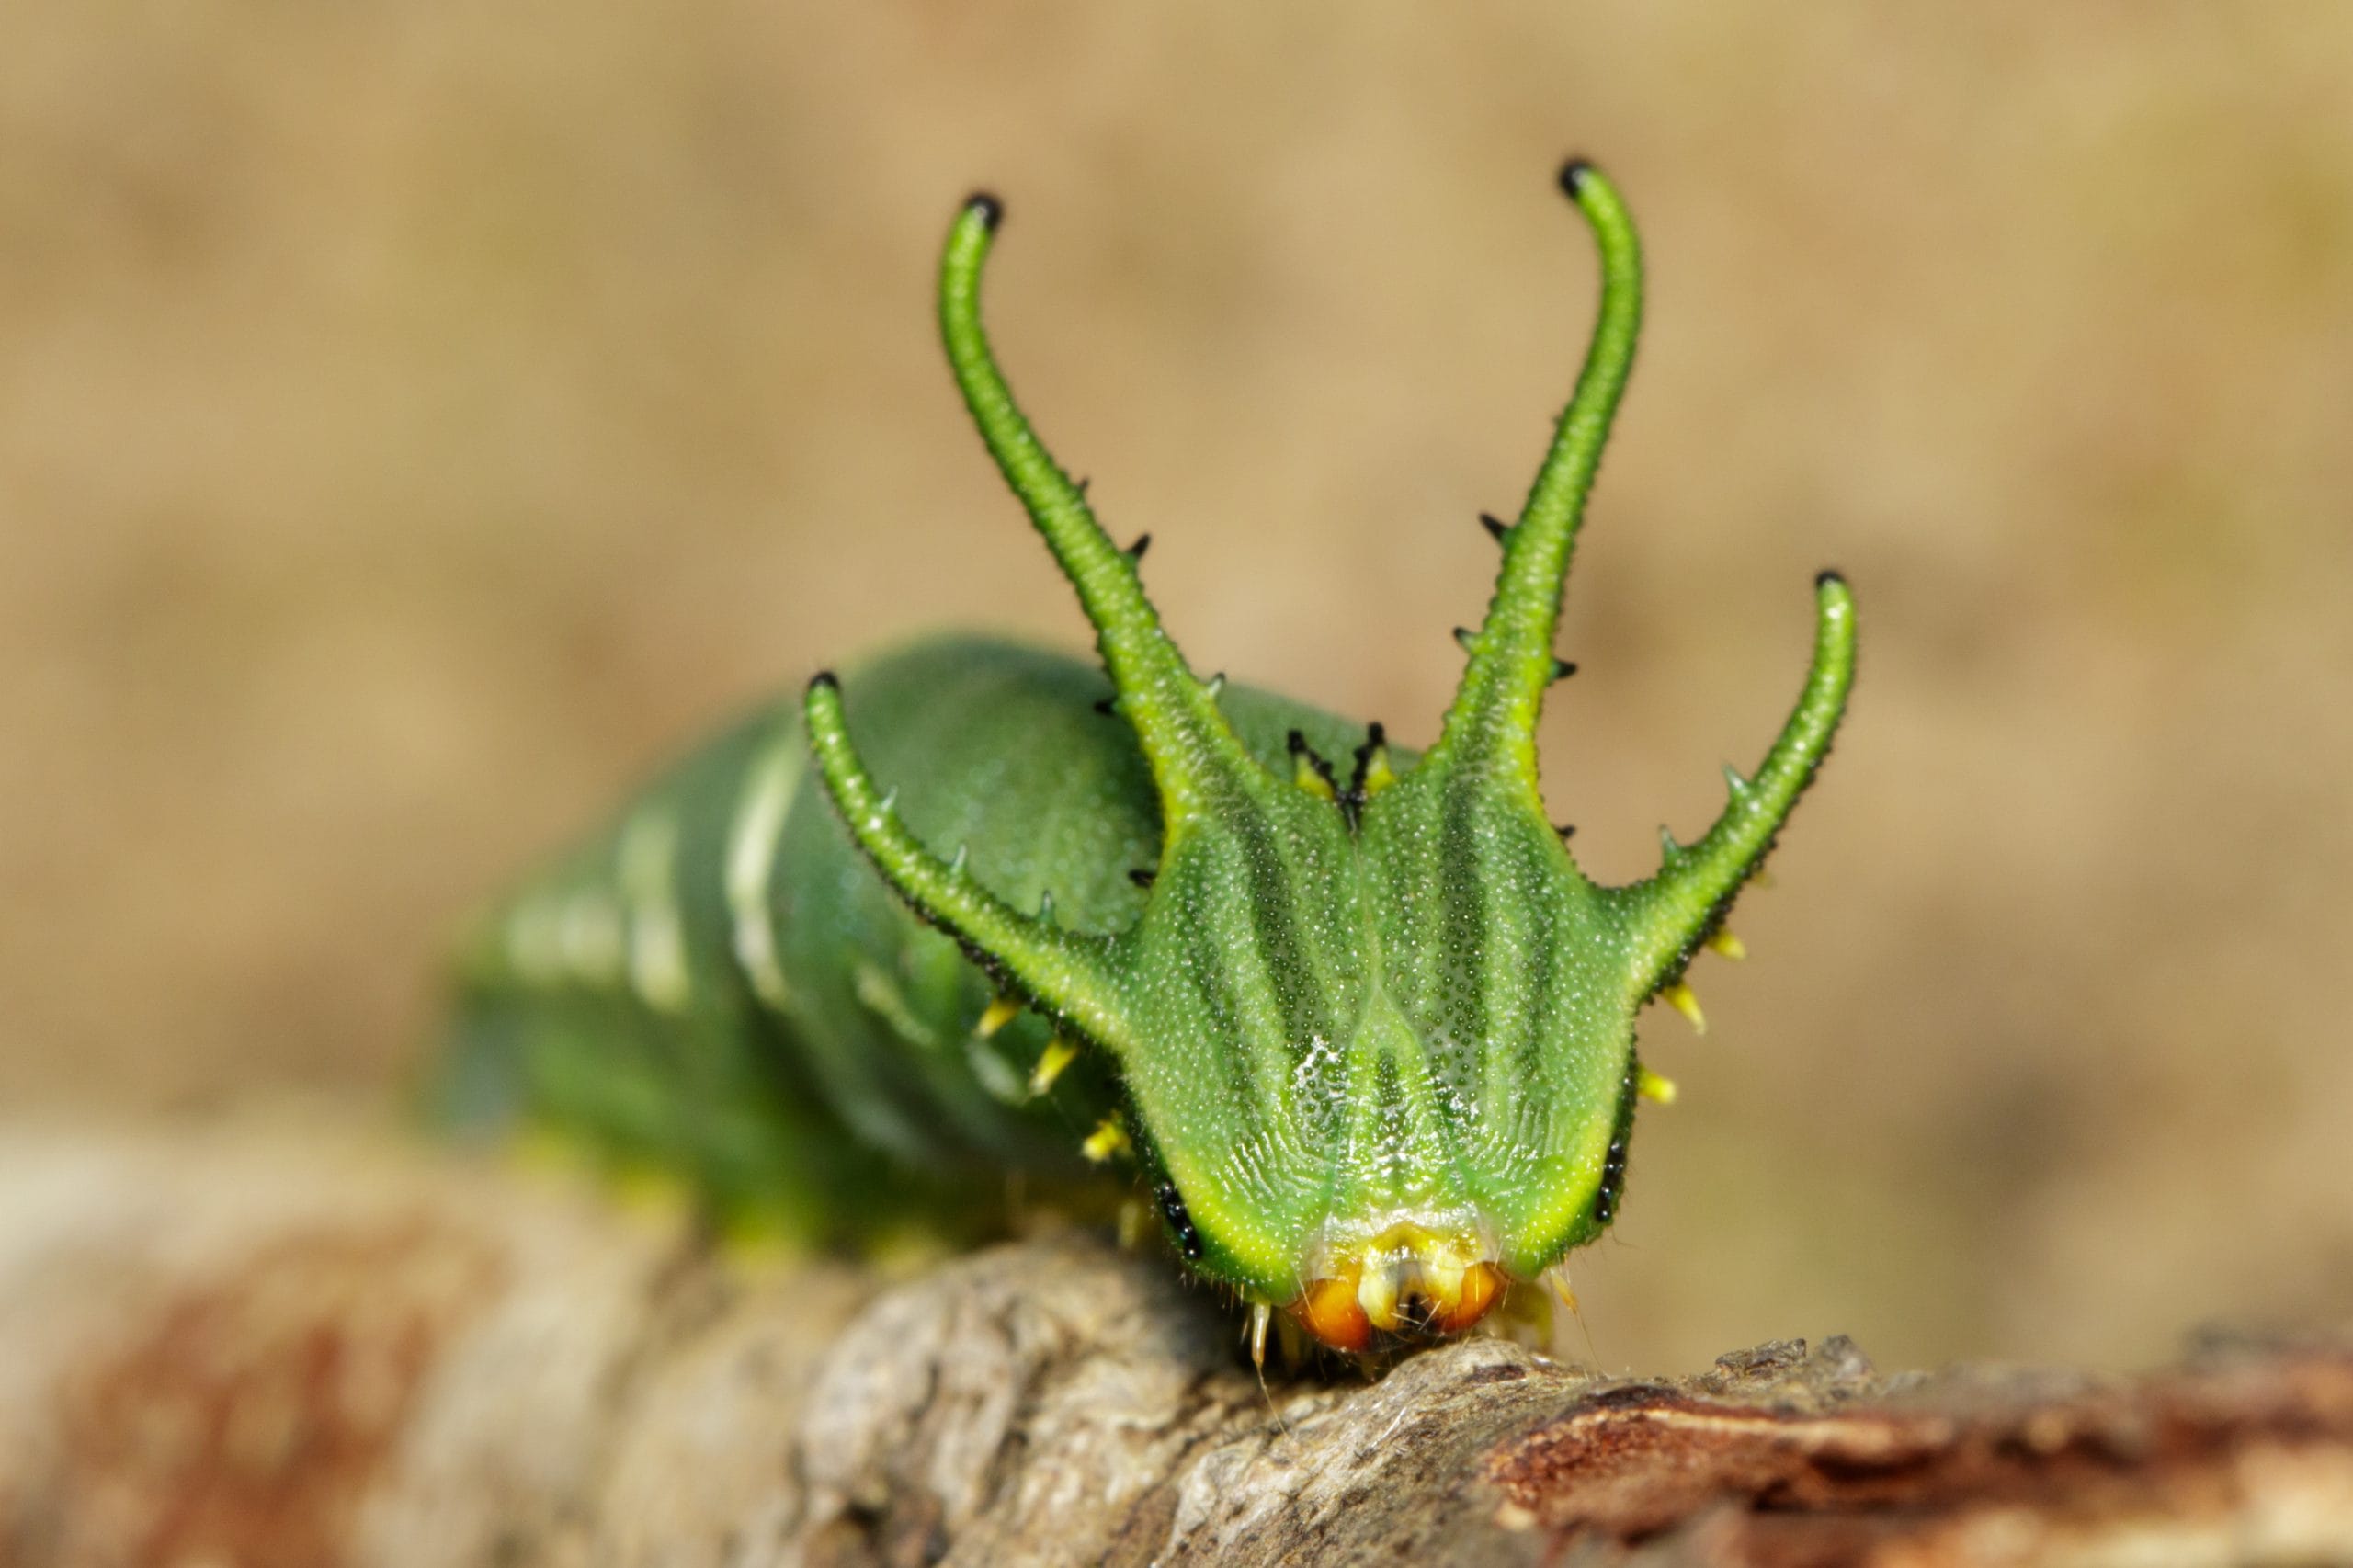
column 1108, row 1140
column 996, row 1015
column 1059, row 1054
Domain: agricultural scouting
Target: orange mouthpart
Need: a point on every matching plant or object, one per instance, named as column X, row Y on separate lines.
column 1327, row 1308
column 1408, row 1283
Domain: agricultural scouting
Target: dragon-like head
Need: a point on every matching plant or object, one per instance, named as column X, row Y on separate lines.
column 1375, row 1027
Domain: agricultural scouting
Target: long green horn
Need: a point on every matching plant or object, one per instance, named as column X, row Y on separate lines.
column 1674, row 910
column 1492, row 725
column 1185, row 738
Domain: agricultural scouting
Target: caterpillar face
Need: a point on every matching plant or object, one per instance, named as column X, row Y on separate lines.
column 1374, row 1034
column 1374, row 1027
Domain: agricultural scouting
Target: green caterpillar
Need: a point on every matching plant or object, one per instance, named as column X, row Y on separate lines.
column 1354, row 1013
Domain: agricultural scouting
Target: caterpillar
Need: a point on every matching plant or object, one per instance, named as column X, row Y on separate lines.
column 1350, row 1014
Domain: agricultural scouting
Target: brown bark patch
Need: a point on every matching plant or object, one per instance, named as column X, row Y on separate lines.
column 1829, row 1485
column 241, row 1421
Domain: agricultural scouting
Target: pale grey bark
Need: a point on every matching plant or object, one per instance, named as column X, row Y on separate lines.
column 254, row 1345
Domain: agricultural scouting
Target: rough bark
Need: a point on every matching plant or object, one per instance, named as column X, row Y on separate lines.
column 290, row 1349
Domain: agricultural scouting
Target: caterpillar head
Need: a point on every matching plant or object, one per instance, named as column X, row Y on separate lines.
column 1375, row 1027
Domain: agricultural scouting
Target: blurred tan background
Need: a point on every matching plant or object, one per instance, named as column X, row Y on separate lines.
column 417, row 419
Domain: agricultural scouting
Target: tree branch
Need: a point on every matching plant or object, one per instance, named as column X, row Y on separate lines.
column 272, row 1348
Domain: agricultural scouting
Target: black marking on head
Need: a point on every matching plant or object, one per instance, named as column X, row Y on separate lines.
column 1573, row 175
column 1143, row 877
column 1376, row 738
column 1142, row 543
column 1613, row 1181
column 1300, row 747
column 1562, row 670
column 1300, row 750
column 987, row 208
column 1353, row 798
column 826, row 678
column 1180, row 1223
column 1828, row 575
column 1494, row 525
column 1613, row 1163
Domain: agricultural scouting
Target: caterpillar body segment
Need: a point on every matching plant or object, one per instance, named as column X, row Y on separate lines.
column 1362, row 1025
column 720, row 984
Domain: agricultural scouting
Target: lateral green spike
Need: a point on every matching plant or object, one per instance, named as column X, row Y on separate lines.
column 1674, row 910
column 1185, row 738
column 1492, row 719
column 1068, row 973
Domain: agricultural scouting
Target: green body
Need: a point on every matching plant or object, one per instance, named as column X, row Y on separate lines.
column 718, row 985
column 1368, row 1031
